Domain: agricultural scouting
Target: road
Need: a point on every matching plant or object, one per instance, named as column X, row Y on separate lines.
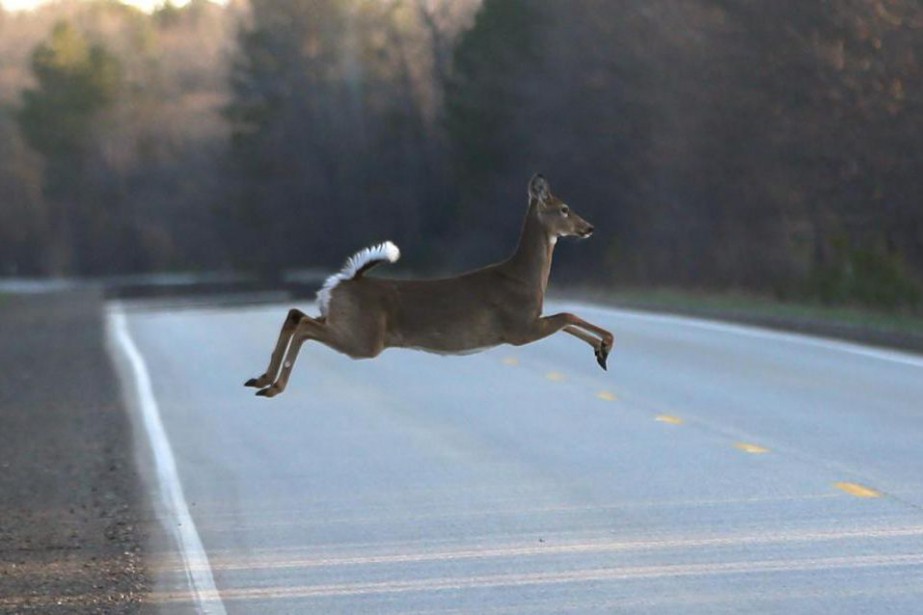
column 712, row 469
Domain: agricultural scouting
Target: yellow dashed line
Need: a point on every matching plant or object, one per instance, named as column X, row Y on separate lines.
column 511, row 361
column 606, row 396
column 667, row 418
column 860, row 491
column 754, row 449
column 555, row 376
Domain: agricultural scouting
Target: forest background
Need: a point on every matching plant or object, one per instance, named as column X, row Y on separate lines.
column 771, row 147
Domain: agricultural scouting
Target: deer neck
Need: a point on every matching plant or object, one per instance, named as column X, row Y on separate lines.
column 531, row 262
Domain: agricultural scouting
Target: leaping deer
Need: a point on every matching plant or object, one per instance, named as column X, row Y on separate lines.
column 499, row 304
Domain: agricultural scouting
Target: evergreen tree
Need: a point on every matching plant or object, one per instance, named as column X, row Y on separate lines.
column 485, row 93
column 487, row 111
column 327, row 132
column 75, row 81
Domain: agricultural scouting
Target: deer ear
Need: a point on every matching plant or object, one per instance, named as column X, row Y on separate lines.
column 538, row 188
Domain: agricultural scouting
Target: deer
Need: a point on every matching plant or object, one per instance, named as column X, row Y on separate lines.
column 498, row 304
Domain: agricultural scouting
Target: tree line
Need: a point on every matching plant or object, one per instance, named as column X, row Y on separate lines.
column 713, row 143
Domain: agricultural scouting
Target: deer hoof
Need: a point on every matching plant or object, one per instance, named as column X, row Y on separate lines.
column 602, row 353
column 258, row 383
column 270, row 391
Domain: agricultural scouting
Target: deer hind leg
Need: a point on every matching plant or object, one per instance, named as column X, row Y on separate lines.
column 317, row 329
column 292, row 320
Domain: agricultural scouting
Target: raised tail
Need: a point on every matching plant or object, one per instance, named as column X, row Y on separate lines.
column 355, row 266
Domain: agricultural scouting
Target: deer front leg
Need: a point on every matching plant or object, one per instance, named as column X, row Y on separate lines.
column 577, row 327
column 599, row 348
column 292, row 321
column 601, row 345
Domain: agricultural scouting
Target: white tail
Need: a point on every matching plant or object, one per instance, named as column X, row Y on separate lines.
column 355, row 266
column 498, row 304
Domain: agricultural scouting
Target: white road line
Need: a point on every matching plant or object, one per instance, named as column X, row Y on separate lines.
column 580, row 575
column 174, row 510
column 893, row 356
column 233, row 561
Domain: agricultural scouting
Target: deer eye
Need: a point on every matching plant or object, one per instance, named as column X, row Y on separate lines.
column 565, row 210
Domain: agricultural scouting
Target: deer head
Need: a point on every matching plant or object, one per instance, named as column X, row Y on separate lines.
column 555, row 216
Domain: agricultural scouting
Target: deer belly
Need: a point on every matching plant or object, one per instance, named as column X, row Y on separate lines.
column 446, row 341
column 447, row 327
column 445, row 353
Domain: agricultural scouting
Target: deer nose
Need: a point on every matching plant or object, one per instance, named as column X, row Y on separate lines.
column 588, row 231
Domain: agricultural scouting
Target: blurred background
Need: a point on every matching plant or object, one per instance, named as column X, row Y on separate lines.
column 767, row 147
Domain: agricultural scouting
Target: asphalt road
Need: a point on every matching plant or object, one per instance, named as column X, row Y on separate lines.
column 712, row 469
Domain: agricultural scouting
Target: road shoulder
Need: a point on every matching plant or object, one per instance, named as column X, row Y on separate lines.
column 71, row 527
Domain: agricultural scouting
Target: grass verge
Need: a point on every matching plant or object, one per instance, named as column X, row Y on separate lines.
column 890, row 329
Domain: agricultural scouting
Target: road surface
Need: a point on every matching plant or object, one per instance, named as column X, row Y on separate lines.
column 712, row 469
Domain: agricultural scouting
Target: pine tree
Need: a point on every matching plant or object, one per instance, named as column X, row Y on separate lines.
column 75, row 81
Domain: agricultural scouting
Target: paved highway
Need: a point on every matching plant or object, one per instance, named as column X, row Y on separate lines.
column 712, row 469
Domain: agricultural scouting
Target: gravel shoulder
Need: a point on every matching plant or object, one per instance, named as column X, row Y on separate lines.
column 71, row 537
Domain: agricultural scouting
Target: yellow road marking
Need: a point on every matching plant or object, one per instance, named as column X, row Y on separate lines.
column 751, row 448
column 607, row 396
column 667, row 418
column 555, row 376
column 511, row 361
column 860, row 491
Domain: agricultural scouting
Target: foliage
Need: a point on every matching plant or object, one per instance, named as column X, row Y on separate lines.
column 330, row 133
column 721, row 144
column 75, row 80
column 866, row 277
column 760, row 146
column 483, row 97
column 23, row 216
column 118, row 118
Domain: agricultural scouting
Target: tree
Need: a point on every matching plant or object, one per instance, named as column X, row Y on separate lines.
column 488, row 108
column 23, row 217
column 76, row 80
column 485, row 93
column 329, row 129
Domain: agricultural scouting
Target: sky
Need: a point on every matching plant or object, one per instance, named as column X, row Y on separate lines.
column 20, row 5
